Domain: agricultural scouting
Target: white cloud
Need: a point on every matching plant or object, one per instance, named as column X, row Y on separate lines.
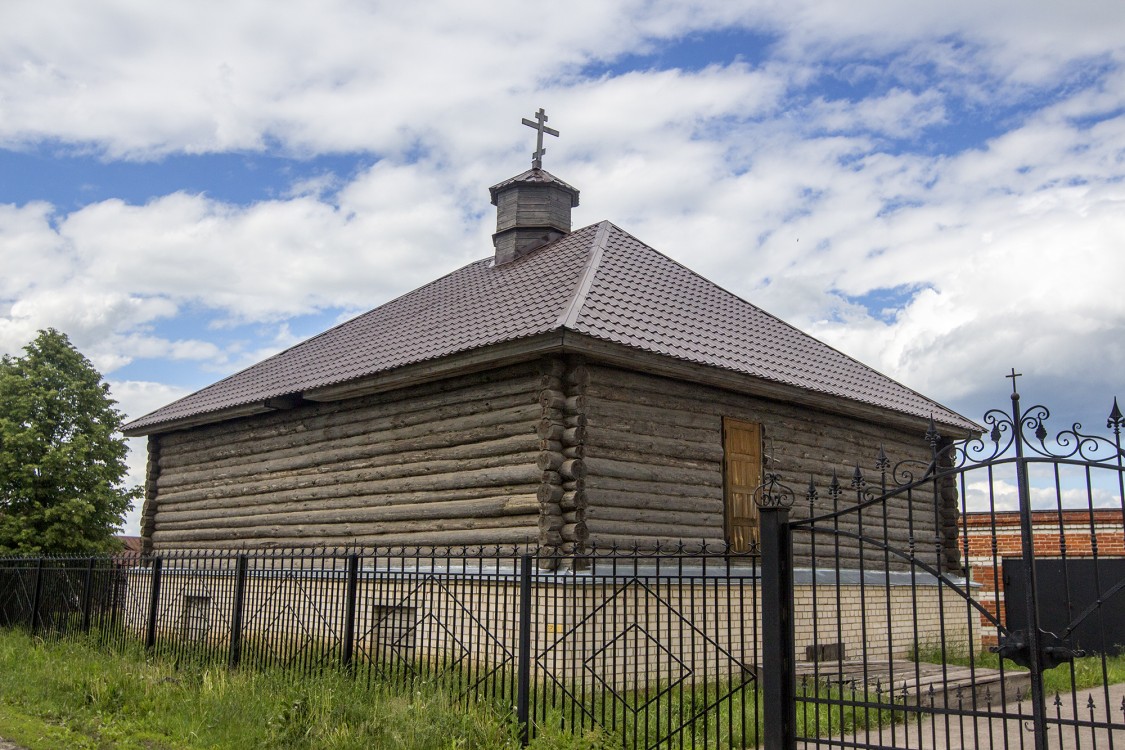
column 1002, row 495
column 898, row 114
column 144, row 79
column 799, row 200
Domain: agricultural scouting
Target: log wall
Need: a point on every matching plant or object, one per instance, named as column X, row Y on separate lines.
column 461, row 461
column 654, row 465
column 556, row 452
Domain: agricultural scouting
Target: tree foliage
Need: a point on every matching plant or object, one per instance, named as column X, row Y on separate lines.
column 62, row 461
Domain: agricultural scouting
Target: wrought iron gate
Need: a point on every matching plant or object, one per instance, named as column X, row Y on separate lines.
column 919, row 621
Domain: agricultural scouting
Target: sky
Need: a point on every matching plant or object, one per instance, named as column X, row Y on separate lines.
column 935, row 188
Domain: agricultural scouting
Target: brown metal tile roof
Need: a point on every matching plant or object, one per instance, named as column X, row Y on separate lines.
column 598, row 281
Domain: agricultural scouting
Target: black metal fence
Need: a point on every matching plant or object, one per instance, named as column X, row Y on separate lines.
column 1027, row 614
column 902, row 645
column 659, row 648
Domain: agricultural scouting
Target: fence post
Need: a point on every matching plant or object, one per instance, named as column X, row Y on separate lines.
column 1027, row 542
column 153, row 604
column 37, row 594
column 779, row 677
column 86, row 591
column 349, row 614
column 241, row 567
column 523, row 666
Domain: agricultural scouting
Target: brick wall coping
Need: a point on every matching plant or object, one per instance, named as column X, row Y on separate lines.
column 983, row 519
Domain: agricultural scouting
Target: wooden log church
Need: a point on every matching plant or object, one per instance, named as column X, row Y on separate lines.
column 573, row 388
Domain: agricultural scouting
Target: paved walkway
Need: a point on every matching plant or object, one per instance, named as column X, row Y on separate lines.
column 964, row 732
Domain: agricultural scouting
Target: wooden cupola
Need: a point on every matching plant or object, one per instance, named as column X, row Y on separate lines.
column 532, row 208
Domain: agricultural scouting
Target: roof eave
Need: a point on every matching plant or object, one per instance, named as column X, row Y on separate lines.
column 659, row 364
column 561, row 341
column 474, row 360
column 195, row 420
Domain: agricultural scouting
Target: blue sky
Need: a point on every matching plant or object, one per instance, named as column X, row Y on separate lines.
column 934, row 188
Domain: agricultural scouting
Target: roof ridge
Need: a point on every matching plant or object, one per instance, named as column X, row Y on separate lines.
column 586, row 279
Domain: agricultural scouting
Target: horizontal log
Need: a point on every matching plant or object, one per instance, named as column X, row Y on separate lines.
column 370, row 436
column 368, row 483
column 549, row 461
column 552, row 400
column 573, row 469
column 550, row 538
column 285, row 481
column 549, row 493
column 373, row 455
column 615, row 403
column 550, row 523
column 574, row 451
column 574, row 436
column 684, row 462
column 510, row 535
column 323, row 531
column 279, row 502
column 644, row 517
column 609, row 441
column 575, row 532
column 576, row 404
column 548, row 429
column 661, row 391
column 575, row 420
column 601, row 467
column 405, row 406
column 598, row 483
column 573, row 499
column 623, row 419
column 239, row 518
column 647, row 501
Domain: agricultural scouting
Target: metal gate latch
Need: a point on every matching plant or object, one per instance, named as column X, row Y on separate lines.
column 1052, row 650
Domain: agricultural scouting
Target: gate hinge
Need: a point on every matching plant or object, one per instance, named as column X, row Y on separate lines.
column 1052, row 650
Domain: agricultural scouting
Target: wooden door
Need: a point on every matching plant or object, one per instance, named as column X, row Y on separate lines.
column 742, row 474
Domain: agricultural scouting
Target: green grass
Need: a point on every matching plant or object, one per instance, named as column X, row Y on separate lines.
column 1083, row 672
column 70, row 694
column 82, row 694
column 77, row 693
column 816, row 716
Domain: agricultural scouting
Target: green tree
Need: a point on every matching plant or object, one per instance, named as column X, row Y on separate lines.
column 62, row 461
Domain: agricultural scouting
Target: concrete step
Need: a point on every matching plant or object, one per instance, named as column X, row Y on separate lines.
column 946, row 686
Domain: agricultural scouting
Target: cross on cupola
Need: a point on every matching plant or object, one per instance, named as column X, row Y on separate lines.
column 540, row 126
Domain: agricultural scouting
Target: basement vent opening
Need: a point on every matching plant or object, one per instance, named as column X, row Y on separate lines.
column 393, row 629
column 195, row 618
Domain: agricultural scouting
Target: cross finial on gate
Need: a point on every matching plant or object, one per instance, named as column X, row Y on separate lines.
column 540, row 126
column 1013, row 376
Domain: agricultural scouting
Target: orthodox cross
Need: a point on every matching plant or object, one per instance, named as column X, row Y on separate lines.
column 541, row 127
column 1013, row 376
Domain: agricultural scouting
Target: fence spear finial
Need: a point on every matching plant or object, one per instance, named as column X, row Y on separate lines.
column 1116, row 419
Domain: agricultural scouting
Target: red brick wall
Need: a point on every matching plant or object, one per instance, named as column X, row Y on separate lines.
column 991, row 537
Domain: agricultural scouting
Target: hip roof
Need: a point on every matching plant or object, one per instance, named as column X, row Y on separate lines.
column 598, row 281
